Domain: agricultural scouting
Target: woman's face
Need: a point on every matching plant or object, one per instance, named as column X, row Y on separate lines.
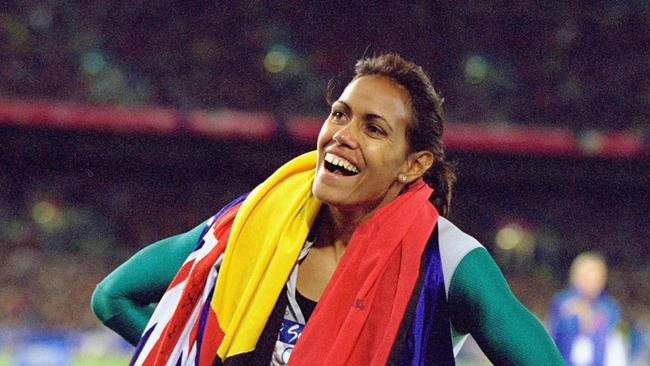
column 362, row 146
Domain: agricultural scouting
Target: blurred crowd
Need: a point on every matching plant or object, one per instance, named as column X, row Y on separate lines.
column 61, row 233
column 580, row 64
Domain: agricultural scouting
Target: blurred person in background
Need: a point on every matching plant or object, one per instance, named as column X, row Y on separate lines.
column 341, row 257
column 584, row 319
column 640, row 336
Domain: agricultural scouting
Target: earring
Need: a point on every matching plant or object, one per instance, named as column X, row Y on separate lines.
column 402, row 178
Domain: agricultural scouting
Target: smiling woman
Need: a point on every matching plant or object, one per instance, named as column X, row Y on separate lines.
column 342, row 257
column 366, row 131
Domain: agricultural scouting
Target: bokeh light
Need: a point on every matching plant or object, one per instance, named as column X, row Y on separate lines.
column 277, row 59
column 93, row 63
column 48, row 216
column 476, row 69
column 509, row 237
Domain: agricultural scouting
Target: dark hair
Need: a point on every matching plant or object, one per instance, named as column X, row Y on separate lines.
column 425, row 130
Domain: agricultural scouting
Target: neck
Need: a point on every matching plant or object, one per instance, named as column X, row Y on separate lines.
column 336, row 226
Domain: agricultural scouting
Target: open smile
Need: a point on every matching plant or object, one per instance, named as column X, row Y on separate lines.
column 340, row 166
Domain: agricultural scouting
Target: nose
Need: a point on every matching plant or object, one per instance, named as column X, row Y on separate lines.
column 346, row 136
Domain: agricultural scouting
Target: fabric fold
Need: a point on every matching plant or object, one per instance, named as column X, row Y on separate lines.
column 264, row 243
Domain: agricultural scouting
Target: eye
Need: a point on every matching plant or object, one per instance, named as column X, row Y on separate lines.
column 375, row 130
column 337, row 115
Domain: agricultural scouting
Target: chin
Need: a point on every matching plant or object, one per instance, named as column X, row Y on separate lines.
column 330, row 196
column 323, row 193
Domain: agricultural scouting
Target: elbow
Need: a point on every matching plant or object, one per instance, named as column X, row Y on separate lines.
column 101, row 303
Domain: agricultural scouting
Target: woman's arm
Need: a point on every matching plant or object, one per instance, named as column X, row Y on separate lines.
column 124, row 301
column 482, row 304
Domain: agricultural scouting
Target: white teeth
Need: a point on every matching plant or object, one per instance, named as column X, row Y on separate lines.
column 333, row 159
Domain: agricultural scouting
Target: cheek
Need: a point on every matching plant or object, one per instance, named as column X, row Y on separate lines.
column 390, row 158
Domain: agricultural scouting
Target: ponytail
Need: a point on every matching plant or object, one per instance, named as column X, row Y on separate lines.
column 441, row 178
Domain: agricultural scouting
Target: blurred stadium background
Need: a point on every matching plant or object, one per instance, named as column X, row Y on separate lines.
column 122, row 122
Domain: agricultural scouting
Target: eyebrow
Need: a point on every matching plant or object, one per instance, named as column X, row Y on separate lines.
column 367, row 116
column 346, row 107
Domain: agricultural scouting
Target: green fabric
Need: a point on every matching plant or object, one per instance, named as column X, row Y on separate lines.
column 124, row 301
column 482, row 304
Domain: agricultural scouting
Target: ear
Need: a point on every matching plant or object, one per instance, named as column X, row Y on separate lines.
column 416, row 165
